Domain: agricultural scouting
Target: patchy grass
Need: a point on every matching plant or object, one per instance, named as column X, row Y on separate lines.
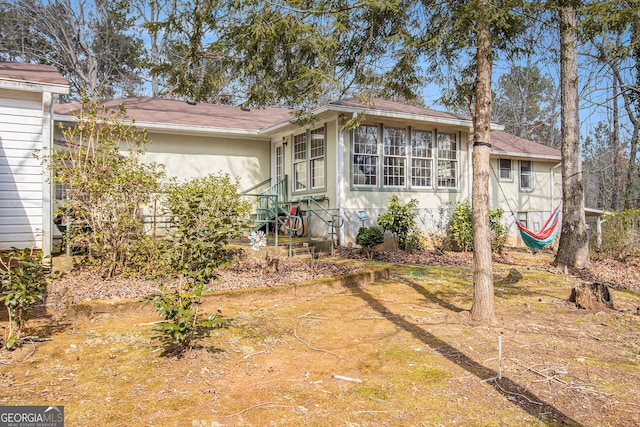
column 396, row 352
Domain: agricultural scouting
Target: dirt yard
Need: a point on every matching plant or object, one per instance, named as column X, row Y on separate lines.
column 397, row 352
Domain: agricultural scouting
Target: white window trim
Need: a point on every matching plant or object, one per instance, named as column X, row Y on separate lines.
column 500, row 177
column 520, row 186
column 308, row 161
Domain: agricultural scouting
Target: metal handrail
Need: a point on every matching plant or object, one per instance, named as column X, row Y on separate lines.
column 335, row 222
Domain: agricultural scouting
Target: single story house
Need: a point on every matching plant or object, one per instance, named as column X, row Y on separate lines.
column 27, row 93
column 346, row 175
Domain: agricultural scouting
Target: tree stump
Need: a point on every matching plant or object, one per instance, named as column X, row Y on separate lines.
column 591, row 296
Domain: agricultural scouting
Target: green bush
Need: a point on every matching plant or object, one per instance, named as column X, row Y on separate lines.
column 182, row 327
column 22, row 276
column 620, row 236
column 204, row 214
column 400, row 219
column 461, row 228
column 368, row 237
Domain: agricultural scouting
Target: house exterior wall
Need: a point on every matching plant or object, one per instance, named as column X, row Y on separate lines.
column 24, row 191
column 532, row 206
column 186, row 157
column 374, row 201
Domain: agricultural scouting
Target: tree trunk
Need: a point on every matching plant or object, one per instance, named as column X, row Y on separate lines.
column 483, row 298
column 573, row 249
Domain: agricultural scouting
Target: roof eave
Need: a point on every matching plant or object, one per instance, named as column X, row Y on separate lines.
column 521, row 155
column 26, row 86
column 183, row 129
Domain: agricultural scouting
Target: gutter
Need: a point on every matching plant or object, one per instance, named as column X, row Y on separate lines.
column 33, row 86
column 189, row 129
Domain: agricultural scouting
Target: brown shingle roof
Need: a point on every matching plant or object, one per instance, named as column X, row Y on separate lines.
column 378, row 104
column 31, row 73
column 172, row 112
column 503, row 142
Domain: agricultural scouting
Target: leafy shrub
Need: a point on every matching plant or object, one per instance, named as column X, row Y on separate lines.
column 107, row 190
column 22, row 276
column 400, row 219
column 414, row 243
column 499, row 232
column 204, row 214
column 182, row 327
column 461, row 228
column 620, row 236
column 368, row 237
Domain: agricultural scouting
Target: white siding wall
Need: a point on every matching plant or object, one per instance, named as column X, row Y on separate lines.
column 21, row 178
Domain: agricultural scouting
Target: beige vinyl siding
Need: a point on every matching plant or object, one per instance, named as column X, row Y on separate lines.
column 21, row 177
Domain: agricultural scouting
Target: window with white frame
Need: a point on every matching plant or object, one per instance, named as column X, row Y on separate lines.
column 279, row 157
column 300, row 162
column 395, row 157
column 526, row 175
column 447, row 152
column 420, row 155
column 365, row 155
column 309, row 160
column 317, row 158
column 504, row 165
column 421, row 158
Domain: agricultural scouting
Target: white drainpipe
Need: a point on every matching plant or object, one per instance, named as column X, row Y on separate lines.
column 340, row 177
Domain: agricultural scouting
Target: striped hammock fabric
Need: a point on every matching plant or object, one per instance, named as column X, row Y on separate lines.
column 537, row 241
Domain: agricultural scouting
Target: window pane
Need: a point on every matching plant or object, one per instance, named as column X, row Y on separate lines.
column 300, row 162
column 526, row 175
column 421, row 158
column 279, row 163
column 365, row 155
column 317, row 157
column 447, row 160
column 505, row 168
column 395, row 148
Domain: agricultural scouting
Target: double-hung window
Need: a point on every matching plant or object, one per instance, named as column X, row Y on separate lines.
column 421, row 158
column 447, row 160
column 504, row 165
column 309, row 160
column 526, row 175
column 395, row 157
column 365, row 155
column 300, row 162
column 317, row 158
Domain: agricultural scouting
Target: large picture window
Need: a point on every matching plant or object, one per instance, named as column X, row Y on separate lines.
column 309, row 150
column 408, row 158
column 447, row 160
column 365, row 155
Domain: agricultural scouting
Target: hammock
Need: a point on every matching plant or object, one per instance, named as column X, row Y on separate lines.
column 537, row 241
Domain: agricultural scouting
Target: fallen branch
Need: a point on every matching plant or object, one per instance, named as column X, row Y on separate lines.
column 295, row 334
column 36, row 339
column 253, row 354
column 340, row 377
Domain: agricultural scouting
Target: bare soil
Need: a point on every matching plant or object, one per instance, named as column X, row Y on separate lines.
column 400, row 352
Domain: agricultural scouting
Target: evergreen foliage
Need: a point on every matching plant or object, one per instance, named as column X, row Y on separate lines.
column 22, row 284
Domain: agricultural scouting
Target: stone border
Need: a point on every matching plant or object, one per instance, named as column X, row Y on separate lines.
column 314, row 287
